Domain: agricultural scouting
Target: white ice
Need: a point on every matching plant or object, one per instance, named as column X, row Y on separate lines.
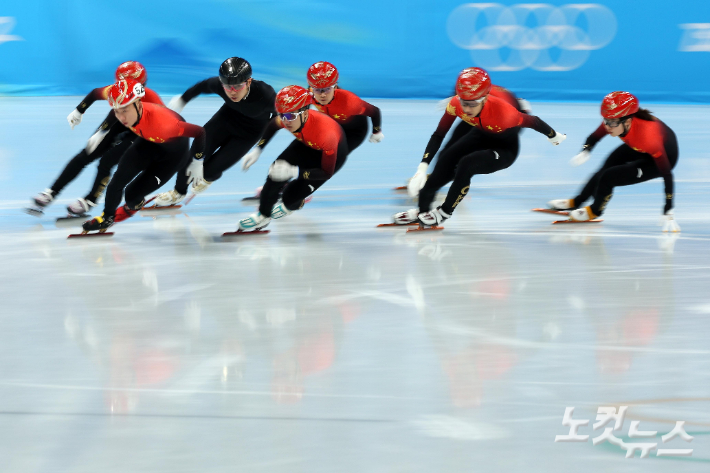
column 332, row 346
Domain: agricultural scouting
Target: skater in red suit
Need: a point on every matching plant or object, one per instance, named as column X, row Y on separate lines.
column 159, row 151
column 488, row 145
column 650, row 150
column 318, row 152
column 109, row 143
column 349, row 110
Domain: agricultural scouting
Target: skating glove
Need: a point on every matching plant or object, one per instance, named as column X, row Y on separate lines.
column 95, row 140
column 557, row 138
column 177, row 104
column 669, row 223
column 418, row 180
column 74, row 118
column 377, row 137
column 195, row 172
column 281, row 171
column 580, row 158
column 250, row 158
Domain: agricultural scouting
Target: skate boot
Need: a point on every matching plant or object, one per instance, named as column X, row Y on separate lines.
column 80, row 207
column 433, row 218
column 44, row 198
column 201, row 187
column 280, row 211
column 100, row 224
column 561, row 204
column 166, row 199
column 40, row 201
column 405, row 218
column 582, row 215
column 253, row 222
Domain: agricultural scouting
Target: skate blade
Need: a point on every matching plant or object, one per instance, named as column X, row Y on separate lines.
column 422, row 228
column 189, row 199
column 166, row 207
column 253, row 198
column 400, row 188
column 33, row 211
column 243, row 233
column 551, row 211
column 596, row 220
column 87, row 235
column 397, row 224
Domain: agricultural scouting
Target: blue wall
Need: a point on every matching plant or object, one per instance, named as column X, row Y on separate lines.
column 657, row 49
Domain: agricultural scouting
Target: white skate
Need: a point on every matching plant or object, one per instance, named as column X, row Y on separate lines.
column 201, row 187
column 561, row 204
column 169, row 198
column 582, row 215
column 280, row 211
column 254, row 222
column 80, row 207
column 405, row 218
column 433, row 218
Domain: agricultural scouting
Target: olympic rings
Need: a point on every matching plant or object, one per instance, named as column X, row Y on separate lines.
column 530, row 33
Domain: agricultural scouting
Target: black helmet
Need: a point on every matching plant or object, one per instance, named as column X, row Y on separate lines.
column 234, row 70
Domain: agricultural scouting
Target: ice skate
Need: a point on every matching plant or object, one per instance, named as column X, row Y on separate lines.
column 199, row 188
column 408, row 217
column 253, row 224
column 40, row 201
column 583, row 215
column 561, row 204
column 167, row 200
column 79, row 208
column 280, row 211
column 557, row 207
column 124, row 213
column 97, row 225
column 430, row 220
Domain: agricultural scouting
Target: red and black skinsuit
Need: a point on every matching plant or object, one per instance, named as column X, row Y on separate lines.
column 319, row 151
column 110, row 149
column 488, row 143
column 650, row 150
column 160, row 149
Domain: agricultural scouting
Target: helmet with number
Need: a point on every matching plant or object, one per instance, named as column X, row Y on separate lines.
column 292, row 98
column 321, row 75
column 234, row 70
column 125, row 92
column 619, row 104
column 132, row 70
column 473, row 83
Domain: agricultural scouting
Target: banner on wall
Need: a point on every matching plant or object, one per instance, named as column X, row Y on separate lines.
column 414, row 49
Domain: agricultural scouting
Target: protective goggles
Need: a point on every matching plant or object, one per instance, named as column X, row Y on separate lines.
column 472, row 103
column 291, row 116
column 233, row 87
column 324, row 90
column 612, row 122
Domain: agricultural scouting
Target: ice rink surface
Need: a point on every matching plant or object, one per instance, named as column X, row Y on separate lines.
column 331, row 346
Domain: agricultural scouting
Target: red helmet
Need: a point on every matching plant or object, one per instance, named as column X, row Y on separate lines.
column 321, row 75
column 292, row 98
column 125, row 92
column 473, row 83
column 132, row 70
column 619, row 104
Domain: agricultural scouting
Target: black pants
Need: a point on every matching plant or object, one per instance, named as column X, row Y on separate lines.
column 468, row 152
column 297, row 190
column 624, row 167
column 231, row 142
column 355, row 131
column 110, row 150
column 146, row 166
